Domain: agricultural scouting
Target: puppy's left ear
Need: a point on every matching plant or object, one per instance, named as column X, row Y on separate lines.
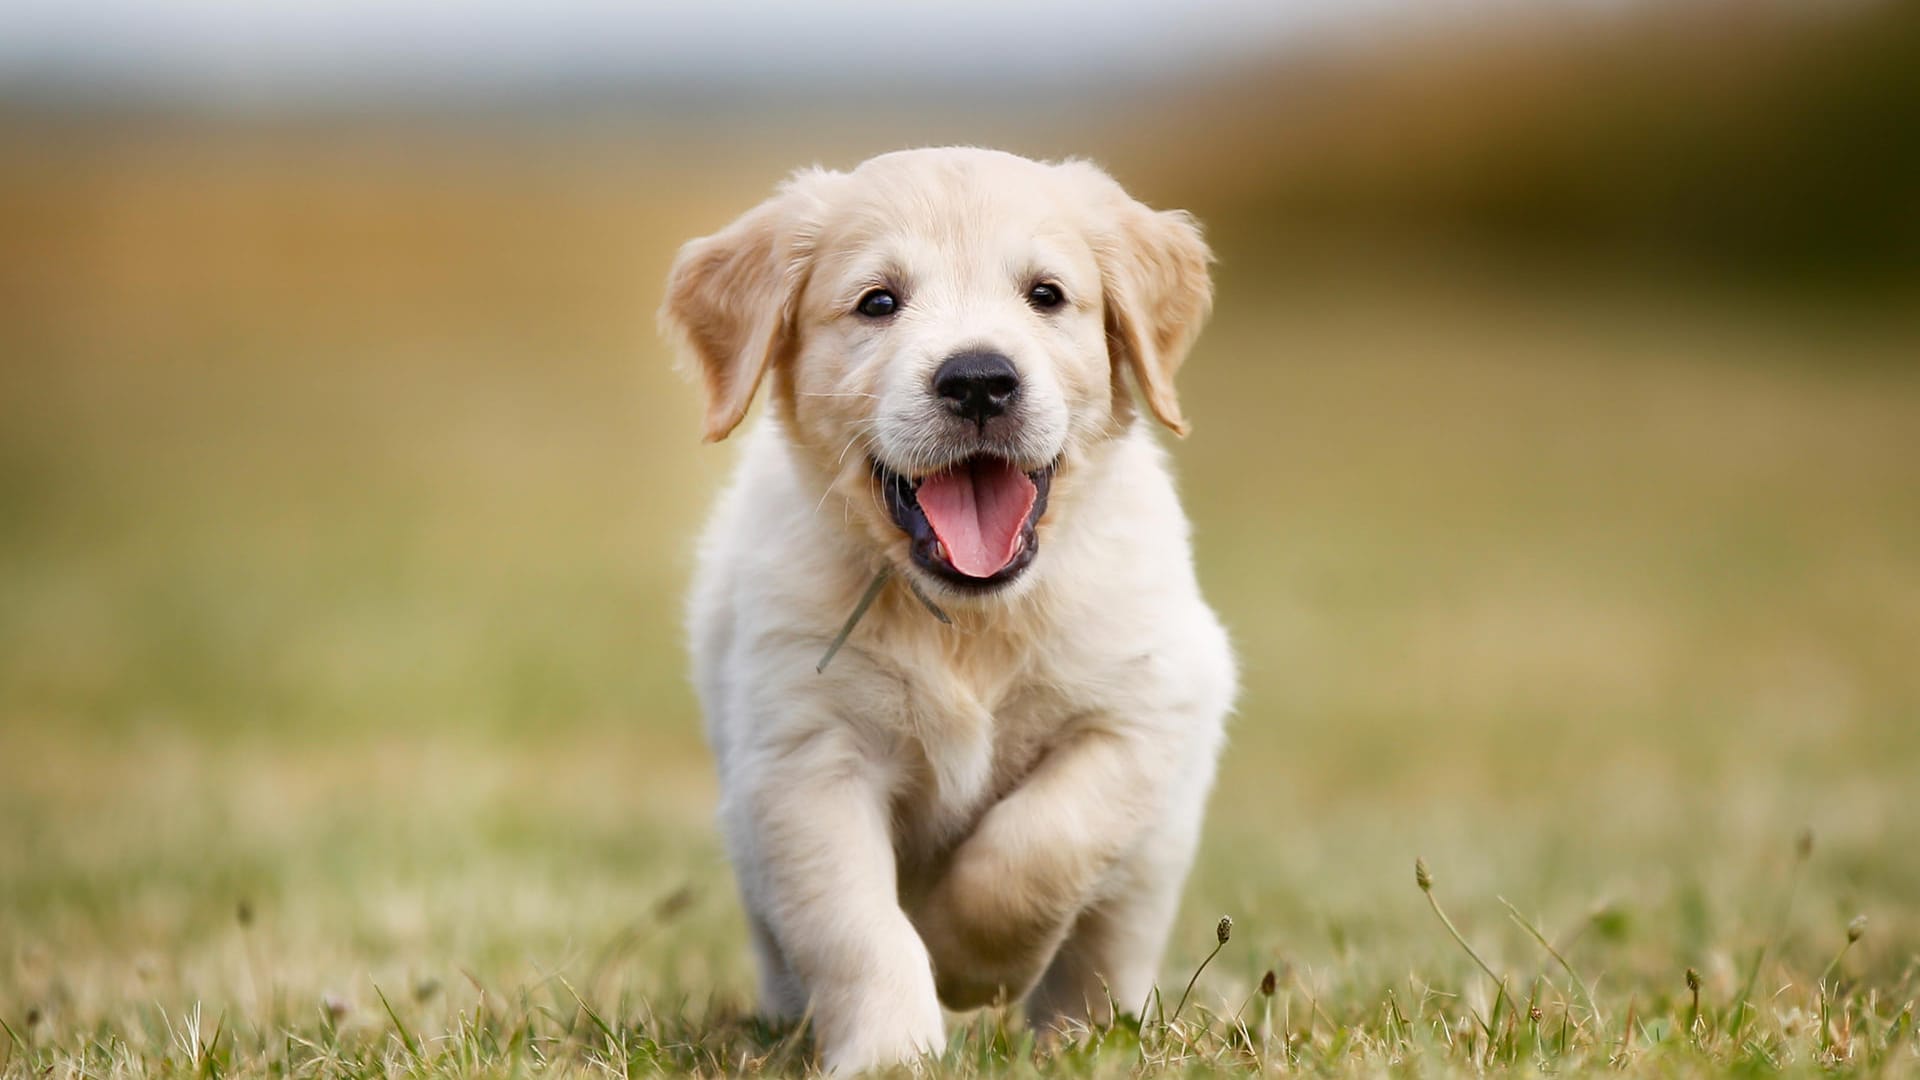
column 1154, row 270
column 730, row 300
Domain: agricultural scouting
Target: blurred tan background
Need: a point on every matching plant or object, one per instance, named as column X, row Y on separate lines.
column 1556, row 467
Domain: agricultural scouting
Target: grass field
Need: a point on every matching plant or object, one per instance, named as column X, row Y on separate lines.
column 344, row 730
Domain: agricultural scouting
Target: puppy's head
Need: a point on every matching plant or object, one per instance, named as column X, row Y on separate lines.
column 945, row 332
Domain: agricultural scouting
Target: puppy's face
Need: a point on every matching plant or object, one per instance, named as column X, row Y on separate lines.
column 945, row 331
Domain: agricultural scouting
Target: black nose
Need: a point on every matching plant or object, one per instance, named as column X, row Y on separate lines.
column 977, row 385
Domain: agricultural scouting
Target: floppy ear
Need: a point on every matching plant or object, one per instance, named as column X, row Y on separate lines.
column 730, row 299
column 1154, row 270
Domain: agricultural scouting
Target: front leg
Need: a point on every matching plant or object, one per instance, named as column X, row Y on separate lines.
column 1015, row 886
column 814, row 847
column 1110, row 958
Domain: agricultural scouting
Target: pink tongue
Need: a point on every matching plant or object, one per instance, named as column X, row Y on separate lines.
column 977, row 510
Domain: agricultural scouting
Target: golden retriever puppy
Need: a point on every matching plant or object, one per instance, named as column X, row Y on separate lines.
column 994, row 789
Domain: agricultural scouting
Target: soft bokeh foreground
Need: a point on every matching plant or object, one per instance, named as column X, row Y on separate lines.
column 346, row 498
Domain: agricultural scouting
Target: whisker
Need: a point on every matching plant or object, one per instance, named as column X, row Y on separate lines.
column 841, row 460
column 823, row 500
column 838, row 462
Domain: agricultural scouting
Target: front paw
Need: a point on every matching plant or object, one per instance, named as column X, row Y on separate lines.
column 964, row 990
column 972, row 966
column 990, row 939
column 881, row 1014
column 885, row 1037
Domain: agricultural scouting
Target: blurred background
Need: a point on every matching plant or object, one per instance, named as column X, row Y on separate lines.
column 1556, row 467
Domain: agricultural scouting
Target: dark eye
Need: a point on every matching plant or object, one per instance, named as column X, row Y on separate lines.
column 877, row 304
column 1045, row 296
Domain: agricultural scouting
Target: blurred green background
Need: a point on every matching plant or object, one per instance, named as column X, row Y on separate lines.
column 1556, row 468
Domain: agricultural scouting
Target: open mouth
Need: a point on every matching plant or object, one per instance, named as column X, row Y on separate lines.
column 971, row 524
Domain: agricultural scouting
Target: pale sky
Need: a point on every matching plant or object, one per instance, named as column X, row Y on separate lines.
column 271, row 50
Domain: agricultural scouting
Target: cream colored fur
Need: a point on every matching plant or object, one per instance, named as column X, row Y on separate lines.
column 1007, row 806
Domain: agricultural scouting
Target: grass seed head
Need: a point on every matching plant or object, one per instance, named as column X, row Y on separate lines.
column 1856, row 926
column 1267, row 982
column 1422, row 876
column 1225, row 929
column 1693, row 980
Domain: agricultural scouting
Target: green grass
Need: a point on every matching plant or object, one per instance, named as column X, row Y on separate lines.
column 344, row 728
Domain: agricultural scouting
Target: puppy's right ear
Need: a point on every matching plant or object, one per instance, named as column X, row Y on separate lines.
column 730, row 300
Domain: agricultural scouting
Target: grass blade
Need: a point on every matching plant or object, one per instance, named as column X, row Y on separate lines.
column 1585, row 990
column 406, row 1037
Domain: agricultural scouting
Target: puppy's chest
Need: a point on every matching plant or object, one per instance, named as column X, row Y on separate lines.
column 965, row 756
